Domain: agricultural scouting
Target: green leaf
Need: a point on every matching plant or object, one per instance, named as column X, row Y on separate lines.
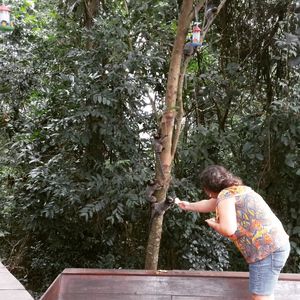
column 247, row 147
column 296, row 230
column 259, row 156
column 290, row 160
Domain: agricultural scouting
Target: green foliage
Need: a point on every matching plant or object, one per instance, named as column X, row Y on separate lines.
column 74, row 121
column 244, row 112
column 191, row 245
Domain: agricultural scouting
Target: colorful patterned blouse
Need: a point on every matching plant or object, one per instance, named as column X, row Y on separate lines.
column 259, row 231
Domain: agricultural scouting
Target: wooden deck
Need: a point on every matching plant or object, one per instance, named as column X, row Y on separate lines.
column 98, row 284
column 10, row 287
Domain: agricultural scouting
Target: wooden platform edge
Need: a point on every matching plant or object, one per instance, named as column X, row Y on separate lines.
column 54, row 287
column 170, row 273
column 11, row 288
column 80, row 276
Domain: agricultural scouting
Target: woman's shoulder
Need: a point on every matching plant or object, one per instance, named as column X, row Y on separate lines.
column 233, row 191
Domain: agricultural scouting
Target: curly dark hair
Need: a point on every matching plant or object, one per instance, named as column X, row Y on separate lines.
column 216, row 178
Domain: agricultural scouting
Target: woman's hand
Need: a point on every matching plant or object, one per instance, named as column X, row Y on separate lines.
column 225, row 230
column 214, row 224
column 182, row 204
column 211, row 222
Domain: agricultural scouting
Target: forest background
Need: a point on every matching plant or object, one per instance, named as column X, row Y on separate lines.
column 82, row 89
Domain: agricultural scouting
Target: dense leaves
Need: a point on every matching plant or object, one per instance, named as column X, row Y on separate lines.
column 76, row 120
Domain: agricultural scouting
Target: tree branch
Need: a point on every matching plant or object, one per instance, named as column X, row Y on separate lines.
column 180, row 109
column 212, row 18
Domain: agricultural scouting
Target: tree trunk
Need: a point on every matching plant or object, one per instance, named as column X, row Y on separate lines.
column 170, row 124
column 166, row 129
column 90, row 11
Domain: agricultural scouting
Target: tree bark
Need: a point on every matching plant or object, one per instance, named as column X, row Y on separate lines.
column 166, row 129
column 170, row 124
column 90, row 11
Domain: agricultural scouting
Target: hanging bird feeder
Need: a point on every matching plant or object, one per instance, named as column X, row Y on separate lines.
column 196, row 35
column 5, row 23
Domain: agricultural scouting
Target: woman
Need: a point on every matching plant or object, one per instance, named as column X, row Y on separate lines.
column 244, row 217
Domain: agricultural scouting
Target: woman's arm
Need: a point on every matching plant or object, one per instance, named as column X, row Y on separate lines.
column 203, row 206
column 226, row 224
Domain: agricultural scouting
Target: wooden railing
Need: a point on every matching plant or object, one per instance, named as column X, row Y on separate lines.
column 98, row 284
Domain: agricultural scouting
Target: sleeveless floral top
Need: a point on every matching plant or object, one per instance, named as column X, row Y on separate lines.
column 259, row 231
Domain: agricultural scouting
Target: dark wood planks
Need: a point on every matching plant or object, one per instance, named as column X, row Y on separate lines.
column 97, row 284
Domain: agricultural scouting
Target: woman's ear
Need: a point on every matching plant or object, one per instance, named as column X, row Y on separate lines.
column 207, row 192
column 211, row 194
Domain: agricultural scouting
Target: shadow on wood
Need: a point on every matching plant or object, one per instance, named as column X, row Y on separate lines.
column 98, row 284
